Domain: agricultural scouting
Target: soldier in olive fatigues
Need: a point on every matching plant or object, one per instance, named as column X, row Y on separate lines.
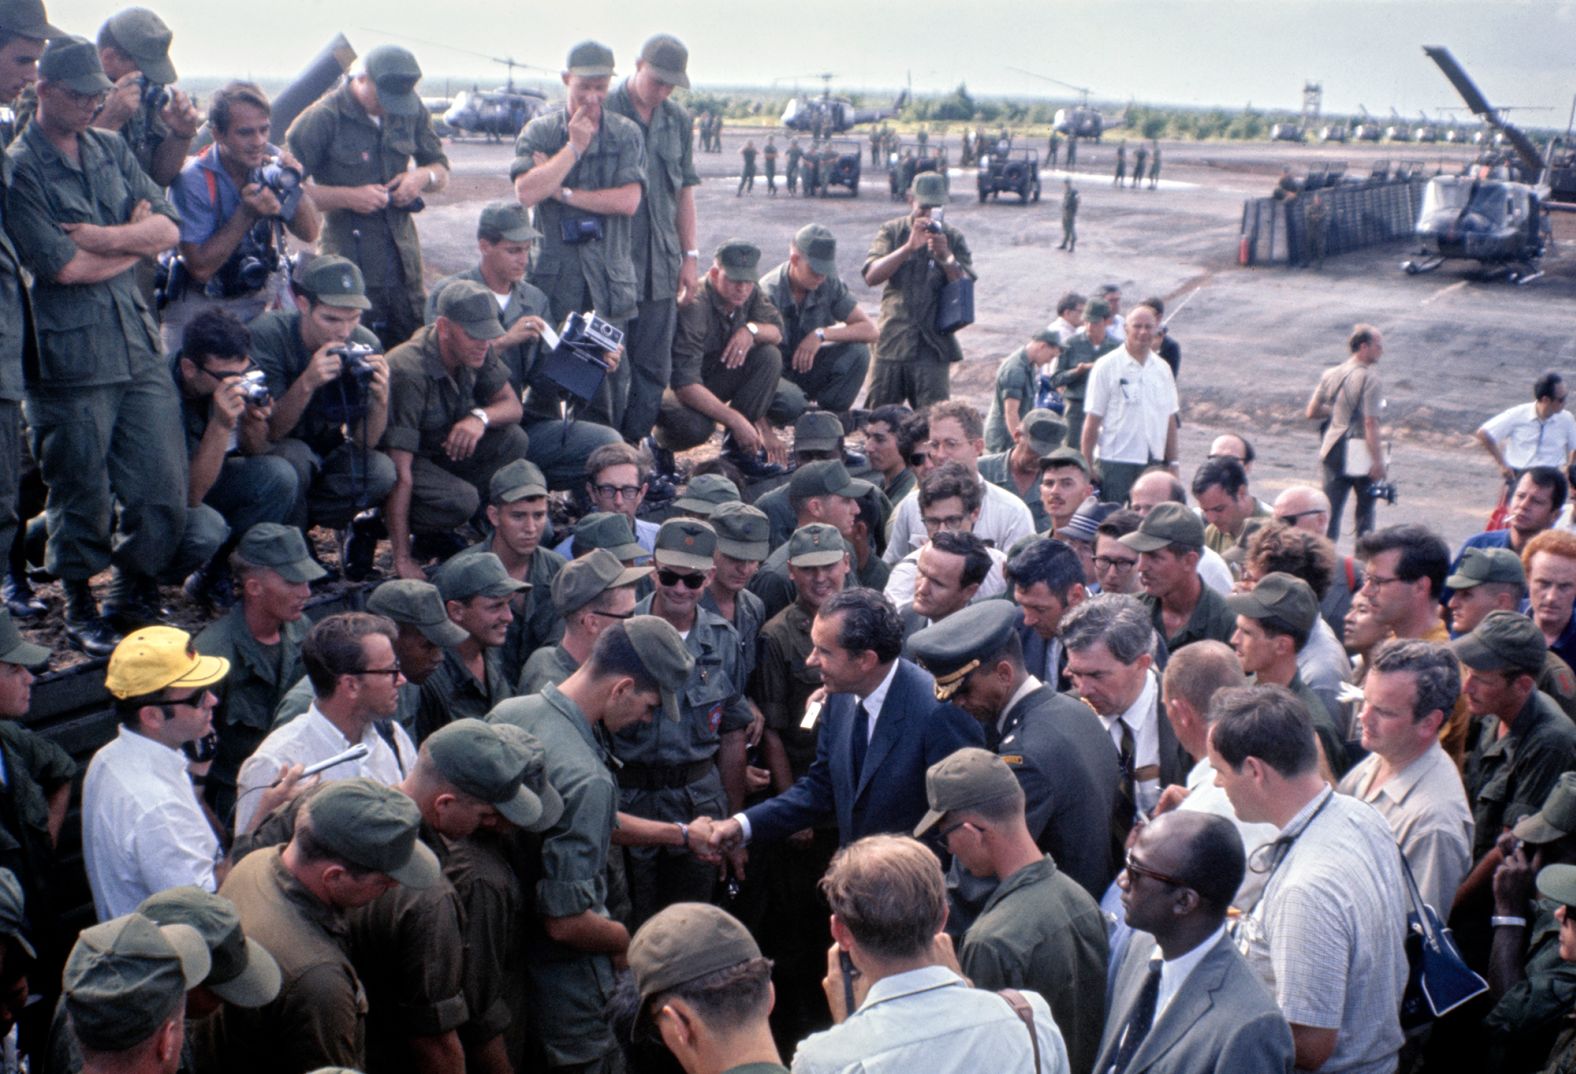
column 363, row 136
column 695, row 768
column 838, row 369
column 791, row 165
column 587, row 258
column 912, row 358
column 479, row 582
column 663, row 241
column 585, row 602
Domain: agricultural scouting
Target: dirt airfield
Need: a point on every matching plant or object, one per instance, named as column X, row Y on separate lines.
column 1458, row 347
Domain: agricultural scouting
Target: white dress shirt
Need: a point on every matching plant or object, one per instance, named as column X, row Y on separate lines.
column 1204, row 797
column 1135, row 402
column 1004, row 518
column 310, row 738
column 1142, row 719
column 1174, row 972
column 900, row 582
column 143, row 830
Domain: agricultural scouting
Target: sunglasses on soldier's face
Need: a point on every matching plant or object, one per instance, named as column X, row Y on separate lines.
column 673, row 578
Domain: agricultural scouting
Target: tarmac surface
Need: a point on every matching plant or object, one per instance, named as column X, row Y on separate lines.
column 1458, row 347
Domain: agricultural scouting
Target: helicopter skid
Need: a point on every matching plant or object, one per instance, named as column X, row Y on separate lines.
column 1427, row 264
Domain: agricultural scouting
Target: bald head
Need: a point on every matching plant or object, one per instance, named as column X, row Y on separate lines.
column 1304, row 507
column 1231, row 446
column 1196, row 672
column 1154, row 488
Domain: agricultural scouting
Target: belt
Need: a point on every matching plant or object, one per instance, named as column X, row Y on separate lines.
column 664, row 777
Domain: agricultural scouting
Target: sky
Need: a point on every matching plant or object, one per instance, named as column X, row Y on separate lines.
column 1189, row 52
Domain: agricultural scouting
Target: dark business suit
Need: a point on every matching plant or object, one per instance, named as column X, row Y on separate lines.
column 1222, row 1019
column 912, row 732
column 1034, row 653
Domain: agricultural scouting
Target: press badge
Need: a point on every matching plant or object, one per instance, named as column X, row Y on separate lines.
column 812, row 715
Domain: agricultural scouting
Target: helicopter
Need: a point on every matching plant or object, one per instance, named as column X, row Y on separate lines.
column 496, row 114
column 1367, row 130
column 1080, row 122
column 1497, row 213
column 826, row 114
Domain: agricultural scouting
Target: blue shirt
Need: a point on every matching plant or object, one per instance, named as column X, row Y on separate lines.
column 202, row 212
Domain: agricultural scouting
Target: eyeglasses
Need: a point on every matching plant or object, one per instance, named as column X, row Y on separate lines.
column 1107, row 563
column 1376, row 582
column 1135, row 868
column 945, row 833
column 672, row 578
column 612, row 615
column 226, row 374
column 194, row 701
column 945, row 445
column 1291, row 519
column 919, row 458
column 613, row 492
column 392, row 673
column 950, row 522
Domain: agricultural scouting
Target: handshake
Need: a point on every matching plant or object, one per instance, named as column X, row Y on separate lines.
column 718, row 841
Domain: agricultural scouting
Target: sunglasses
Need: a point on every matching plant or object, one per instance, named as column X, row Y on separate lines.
column 1136, row 868
column 672, row 578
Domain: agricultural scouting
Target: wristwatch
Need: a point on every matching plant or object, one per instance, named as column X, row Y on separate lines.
column 481, row 415
column 566, row 195
column 753, row 328
column 820, row 334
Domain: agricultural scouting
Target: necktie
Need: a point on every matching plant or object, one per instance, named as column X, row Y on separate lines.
column 861, row 743
column 1140, row 1020
column 1125, row 752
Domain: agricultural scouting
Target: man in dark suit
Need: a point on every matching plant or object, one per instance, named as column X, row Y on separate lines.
column 1047, row 581
column 881, row 728
column 1185, row 1001
column 1065, row 762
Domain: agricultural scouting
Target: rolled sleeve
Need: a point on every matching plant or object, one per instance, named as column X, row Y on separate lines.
column 689, row 345
column 43, row 246
column 407, row 404
column 429, row 150
column 763, row 312
column 199, row 213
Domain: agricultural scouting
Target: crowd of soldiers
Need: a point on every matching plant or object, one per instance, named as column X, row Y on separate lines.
column 802, row 750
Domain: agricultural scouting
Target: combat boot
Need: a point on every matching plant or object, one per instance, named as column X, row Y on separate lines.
column 360, row 545
column 132, row 601
column 86, row 629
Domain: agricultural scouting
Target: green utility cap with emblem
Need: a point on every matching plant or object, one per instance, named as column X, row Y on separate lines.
column 961, row 642
column 335, row 281
column 73, row 62
column 661, row 651
column 15, row 649
column 739, row 260
column 476, row 574
column 824, row 477
column 1064, row 456
column 1556, row 819
column 1096, row 309
column 685, row 542
column 395, row 72
column 471, row 305
column 125, row 977
column 520, row 480
column 13, row 916
column 610, row 530
column 582, row 580
column 1046, row 431
column 144, row 37
column 970, row 777
column 282, row 550
column 743, row 531
column 819, row 247
column 1558, row 882
column 591, row 59
column 1048, row 336
column 666, row 57
column 685, row 942
column 705, row 493
column 816, row 545
column 1503, row 641
column 929, row 190
column 419, row 604
column 1166, row 525
column 26, row 18
column 817, row 430
column 1479, row 566
column 373, row 827
column 486, row 761
column 1282, row 601
column 509, row 221
column 242, row 971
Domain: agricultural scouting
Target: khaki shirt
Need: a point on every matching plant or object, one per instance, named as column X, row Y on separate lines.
column 425, row 401
column 704, row 328
column 280, row 352
column 319, row 1017
column 88, row 334
column 615, row 157
column 670, row 167
column 912, row 295
column 1353, row 392
column 828, row 304
column 338, row 144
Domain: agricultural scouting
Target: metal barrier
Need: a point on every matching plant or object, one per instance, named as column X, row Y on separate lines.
column 1356, row 215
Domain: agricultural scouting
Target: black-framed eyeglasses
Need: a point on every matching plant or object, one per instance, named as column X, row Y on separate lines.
column 946, row 833
column 251, row 367
column 1136, row 868
column 1378, row 582
column 672, row 578
column 611, row 615
column 393, row 672
column 949, row 522
column 1291, row 519
column 1107, row 563
column 609, row 492
column 194, row 701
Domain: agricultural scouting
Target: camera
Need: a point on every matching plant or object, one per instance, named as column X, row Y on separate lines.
column 1383, row 490
column 414, row 205
column 935, row 224
column 202, row 750
column 575, row 230
column 154, row 95
column 575, row 363
column 285, row 182
column 254, row 388
column 353, row 362
column 249, row 266
column 345, row 399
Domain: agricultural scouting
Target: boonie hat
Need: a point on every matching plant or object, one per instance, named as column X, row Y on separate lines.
column 685, row 542
column 969, row 777
column 476, row 574
column 125, row 977
column 374, row 828
column 471, row 306
column 662, row 652
column 582, row 580
column 1045, row 431
column 743, row 531
column 394, row 71
column 73, row 62
column 666, row 57
column 739, row 260
column 335, row 281
column 1167, row 524
column 590, row 59
column 1487, row 565
column 418, row 604
column 282, row 550
column 819, row 247
column 1503, row 641
column 705, row 493
column 961, row 642
column 159, row 658
column 144, row 37
column 509, row 220
column 242, row 971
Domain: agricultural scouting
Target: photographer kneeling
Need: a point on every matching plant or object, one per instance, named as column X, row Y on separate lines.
column 235, row 199
column 330, row 389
